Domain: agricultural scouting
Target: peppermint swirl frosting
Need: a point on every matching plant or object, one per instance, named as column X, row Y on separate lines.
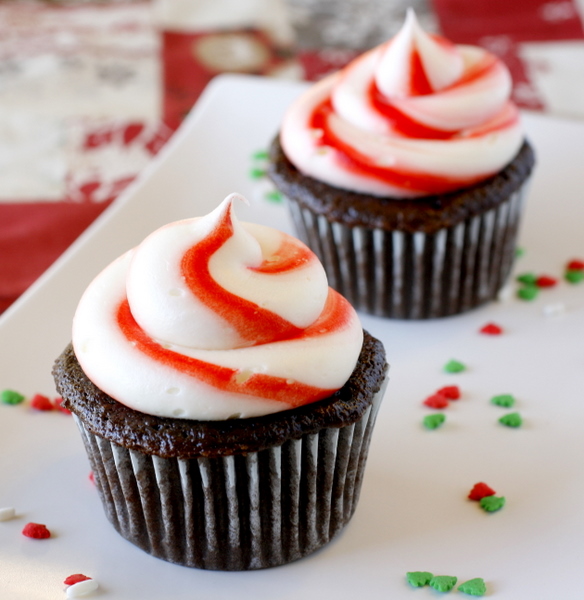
column 212, row 318
column 415, row 116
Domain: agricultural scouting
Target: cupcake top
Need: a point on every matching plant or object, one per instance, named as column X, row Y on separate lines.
column 416, row 116
column 211, row 318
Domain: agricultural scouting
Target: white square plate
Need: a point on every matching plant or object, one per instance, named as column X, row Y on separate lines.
column 413, row 512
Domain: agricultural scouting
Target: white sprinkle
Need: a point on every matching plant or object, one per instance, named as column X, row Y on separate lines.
column 81, row 588
column 316, row 133
column 505, row 293
column 552, row 310
column 173, row 391
column 7, row 513
column 178, row 412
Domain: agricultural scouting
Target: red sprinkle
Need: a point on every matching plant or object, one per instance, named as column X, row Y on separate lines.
column 40, row 402
column 481, row 490
column 73, row 579
column 545, row 281
column 58, row 401
column 452, row 392
column 575, row 265
column 491, row 329
column 36, row 531
column 91, row 477
column 436, row 401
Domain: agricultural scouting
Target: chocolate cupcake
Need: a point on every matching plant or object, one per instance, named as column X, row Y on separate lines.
column 406, row 174
column 224, row 431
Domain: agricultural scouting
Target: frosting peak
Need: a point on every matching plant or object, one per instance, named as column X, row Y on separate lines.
column 415, row 64
column 413, row 117
column 210, row 318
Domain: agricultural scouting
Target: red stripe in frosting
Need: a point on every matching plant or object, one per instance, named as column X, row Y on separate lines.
column 335, row 315
column 253, row 323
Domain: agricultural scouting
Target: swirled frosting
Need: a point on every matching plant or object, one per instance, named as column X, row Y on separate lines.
column 415, row 116
column 212, row 318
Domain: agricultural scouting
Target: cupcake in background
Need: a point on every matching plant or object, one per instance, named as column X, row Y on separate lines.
column 225, row 394
column 405, row 172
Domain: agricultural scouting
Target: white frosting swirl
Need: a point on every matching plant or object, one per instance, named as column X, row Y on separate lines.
column 415, row 116
column 211, row 318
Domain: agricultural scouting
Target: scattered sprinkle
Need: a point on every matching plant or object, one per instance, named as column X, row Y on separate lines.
column 492, row 503
column 7, row 513
column 481, row 490
column 260, row 155
column 527, row 278
column 434, row 421
column 492, row 329
column 274, row 196
column 454, row 366
column 73, row 579
column 36, row 531
column 552, row 310
column 256, row 173
column 519, row 252
column 545, row 281
column 437, row 401
column 574, row 276
column 82, row 588
column 58, row 405
column 40, row 402
column 419, row 578
column 443, row 583
column 91, row 477
column 511, row 420
column 452, row 392
column 575, row 265
column 504, row 400
column 11, row 397
column 528, row 292
column 473, row 587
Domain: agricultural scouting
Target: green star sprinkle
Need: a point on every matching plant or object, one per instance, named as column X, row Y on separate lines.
column 419, row 578
column 527, row 278
column 511, row 420
column 434, row 421
column 528, row 292
column 454, row 366
column 274, row 196
column 443, row 583
column 492, row 503
column 504, row 400
column 473, row 587
column 257, row 173
column 11, row 397
column 574, row 276
column 261, row 155
column 519, row 252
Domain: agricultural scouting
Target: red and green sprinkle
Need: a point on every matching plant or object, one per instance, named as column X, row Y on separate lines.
column 504, row 400
column 11, row 397
column 446, row 583
column 513, row 420
column 574, row 272
column 454, row 366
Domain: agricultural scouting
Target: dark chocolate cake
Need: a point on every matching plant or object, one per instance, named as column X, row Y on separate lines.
column 430, row 257
column 427, row 215
column 229, row 495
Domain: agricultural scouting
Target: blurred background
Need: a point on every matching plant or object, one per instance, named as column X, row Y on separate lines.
column 91, row 90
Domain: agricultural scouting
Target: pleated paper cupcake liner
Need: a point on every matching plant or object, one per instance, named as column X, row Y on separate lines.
column 238, row 512
column 416, row 275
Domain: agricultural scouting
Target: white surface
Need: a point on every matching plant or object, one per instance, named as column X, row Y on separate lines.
column 413, row 513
